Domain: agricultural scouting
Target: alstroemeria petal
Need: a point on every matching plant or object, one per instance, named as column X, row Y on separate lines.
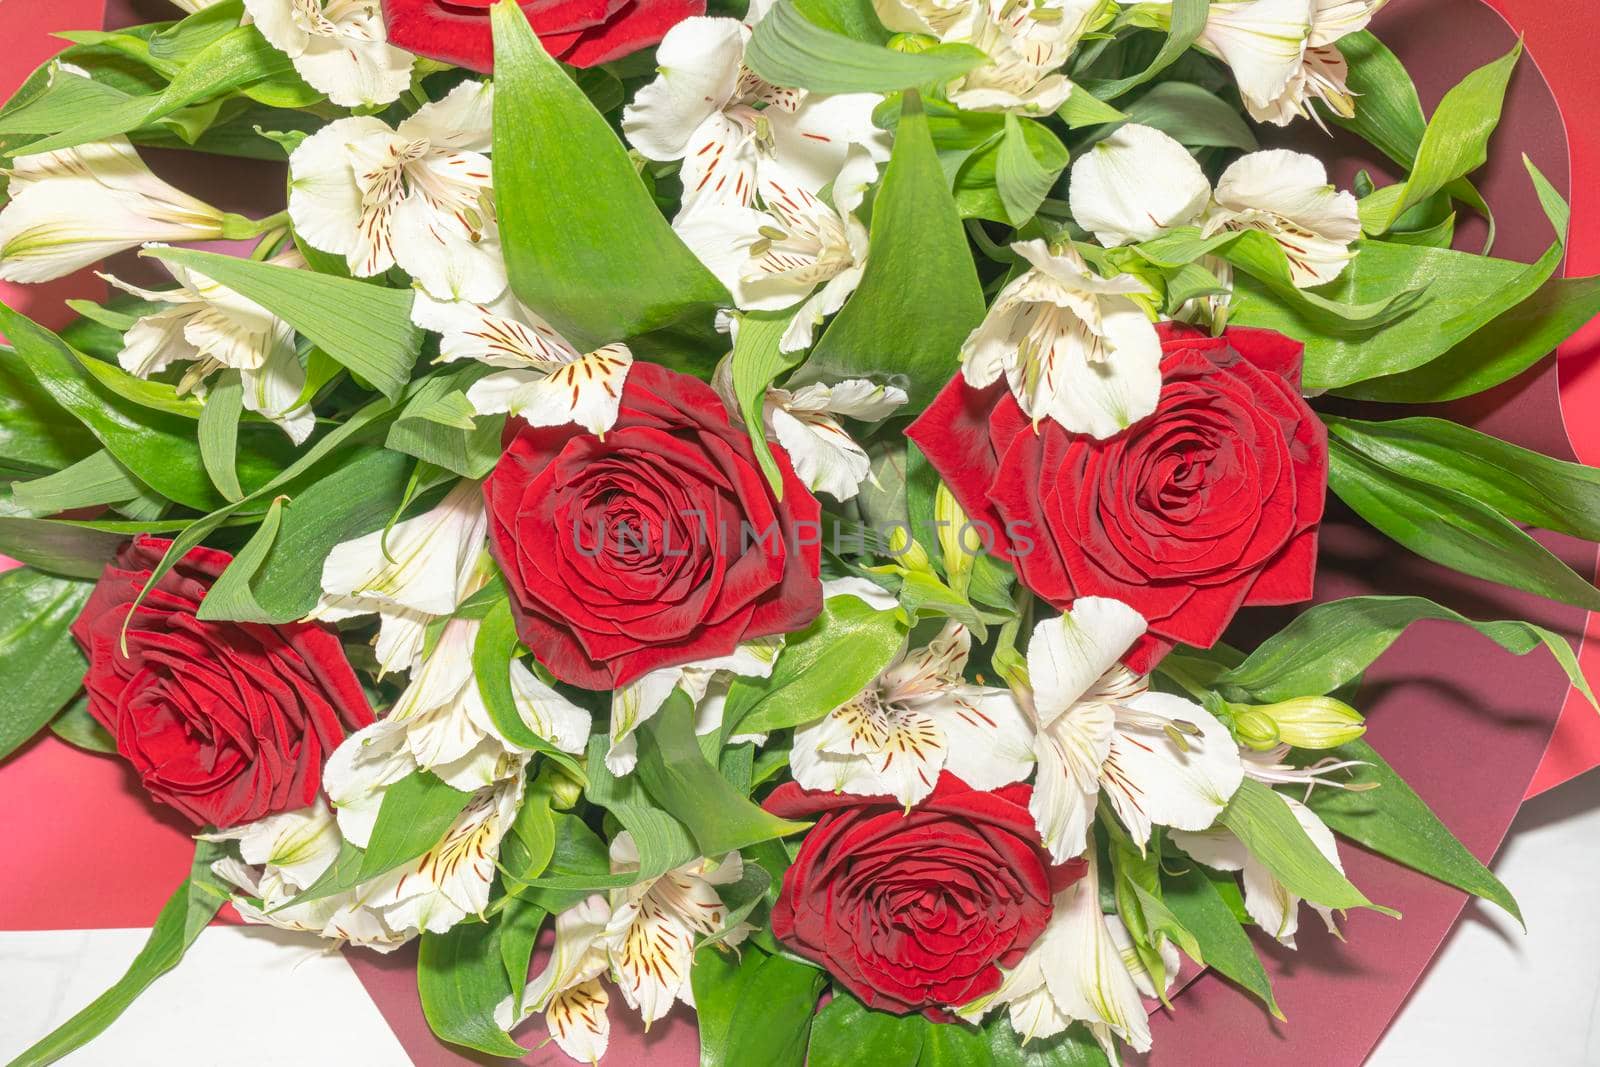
column 1069, row 654
column 698, row 63
column 1171, row 764
column 1135, row 185
column 427, row 558
column 1070, row 751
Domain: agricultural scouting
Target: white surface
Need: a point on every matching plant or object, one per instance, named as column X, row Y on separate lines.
column 244, row 997
column 1496, row 996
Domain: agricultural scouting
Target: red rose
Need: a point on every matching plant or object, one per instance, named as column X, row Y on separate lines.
column 916, row 911
column 660, row 543
column 584, row 33
column 1209, row 504
column 225, row 721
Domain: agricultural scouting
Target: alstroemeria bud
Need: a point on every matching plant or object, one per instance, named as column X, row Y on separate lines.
column 1305, row 722
column 959, row 543
column 76, row 206
column 563, row 790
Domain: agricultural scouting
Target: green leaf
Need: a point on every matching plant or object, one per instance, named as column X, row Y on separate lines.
column 530, row 844
column 437, row 426
column 1270, row 283
column 919, row 297
column 1263, row 822
column 1021, row 180
column 584, row 242
column 461, row 978
column 741, row 898
column 219, row 433
column 95, row 480
column 1073, row 1047
column 78, row 728
column 59, row 547
column 819, row 669
column 1330, row 645
column 1188, row 20
column 578, row 857
column 1455, row 144
column 1520, row 484
column 416, row 813
column 1389, row 114
column 158, row 396
column 954, row 1044
column 754, row 1009
column 186, row 913
column 1086, row 109
column 230, row 597
column 1223, row 943
column 1391, row 820
column 847, row 1033
column 676, row 775
column 757, row 363
column 1509, row 344
column 37, row 435
column 159, row 449
column 520, row 923
column 40, row 665
column 277, row 577
column 662, row 841
column 789, row 49
column 233, row 61
column 497, row 645
column 1452, row 529
column 1192, row 115
column 365, row 328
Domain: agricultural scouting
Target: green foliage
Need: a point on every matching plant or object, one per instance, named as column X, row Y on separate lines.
column 461, row 978
column 583, row 240
column 1260, row 818
column 821, row 667
column 788, row 48
column 40, row 665
column 919, row 296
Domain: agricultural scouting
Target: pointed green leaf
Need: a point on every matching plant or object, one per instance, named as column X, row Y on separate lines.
column 1263, row 822
column 40, row 665
column 919, row 297
column 789, row 49
column 1222, row 941
column 366, row 328
column 584, row 242
column 1331, row 644
column 461, row 979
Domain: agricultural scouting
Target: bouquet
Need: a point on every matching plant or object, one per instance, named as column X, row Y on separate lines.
column 774, row 500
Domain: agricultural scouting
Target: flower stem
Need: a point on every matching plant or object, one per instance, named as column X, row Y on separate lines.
column 240, row 228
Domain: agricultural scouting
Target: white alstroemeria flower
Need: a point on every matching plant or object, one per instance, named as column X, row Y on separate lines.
column 545, row 381
column 1323, row 73
column 655, row 924
column 1074, row 972
column 568, row 990
column 281, row 856
column 440, row 724
column 1269, row 902
column 918, row 718
column 425, row 567
column 805, row 422
column 644, row 936
column 73, row 207
column 796, row 251
column 340, row 47
column 1286, row 195
column 419, row 195
column 637, row 702
column 1072, row 345
column 212, row 327
column 1160, row 760
column 728, row 125
column 1027, row 44
column 944, row 19
column 1135, row 185
column 452, row 880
